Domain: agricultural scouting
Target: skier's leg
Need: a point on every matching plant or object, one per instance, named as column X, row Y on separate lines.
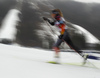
column 57, row 50
column 56, row 47
column 67, row 39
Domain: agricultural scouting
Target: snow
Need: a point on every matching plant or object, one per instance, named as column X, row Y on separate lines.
column 88, row 1
column 21, row 62
column 89, row 37
column 8, row 29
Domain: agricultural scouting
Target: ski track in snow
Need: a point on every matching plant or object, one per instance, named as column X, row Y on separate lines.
column 21, row 62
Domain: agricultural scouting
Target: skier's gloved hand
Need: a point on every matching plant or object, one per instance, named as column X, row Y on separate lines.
column 60, row 36
column 44, row 18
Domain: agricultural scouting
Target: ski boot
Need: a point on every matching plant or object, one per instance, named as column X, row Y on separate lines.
column 85, row 56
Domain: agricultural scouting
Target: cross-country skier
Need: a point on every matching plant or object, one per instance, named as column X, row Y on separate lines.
column 59, row 21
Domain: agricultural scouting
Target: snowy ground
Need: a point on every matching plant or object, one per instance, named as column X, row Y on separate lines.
column 20, row 62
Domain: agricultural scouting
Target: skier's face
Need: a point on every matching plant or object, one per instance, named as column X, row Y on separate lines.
column 53, row 15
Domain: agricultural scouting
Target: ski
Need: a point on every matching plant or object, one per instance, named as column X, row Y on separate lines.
column 73, row 64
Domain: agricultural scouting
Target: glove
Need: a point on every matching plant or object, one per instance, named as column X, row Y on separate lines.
column 44, row 18
column 60, row 36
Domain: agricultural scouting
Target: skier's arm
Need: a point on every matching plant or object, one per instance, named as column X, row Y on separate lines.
column 46, row 19
column 52, row 23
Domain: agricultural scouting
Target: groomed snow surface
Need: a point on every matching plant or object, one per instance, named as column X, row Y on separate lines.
column 21, row 62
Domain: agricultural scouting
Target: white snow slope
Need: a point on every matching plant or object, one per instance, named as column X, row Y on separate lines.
column 21, row 62
column 8, row 29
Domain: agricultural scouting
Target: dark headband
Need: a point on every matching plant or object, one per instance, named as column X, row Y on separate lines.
column 55, row 12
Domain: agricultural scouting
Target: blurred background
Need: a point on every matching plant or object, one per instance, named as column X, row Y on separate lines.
column 21, row 23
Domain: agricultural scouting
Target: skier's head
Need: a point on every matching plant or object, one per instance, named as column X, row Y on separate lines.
column 56, row 12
